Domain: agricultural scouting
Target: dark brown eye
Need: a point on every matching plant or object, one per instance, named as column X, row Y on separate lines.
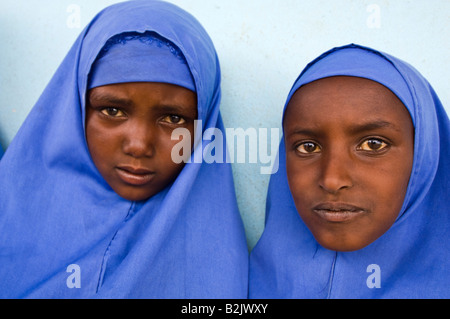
column 112, row 111
column 373, row 144
column 174, row 119
column 308, row 147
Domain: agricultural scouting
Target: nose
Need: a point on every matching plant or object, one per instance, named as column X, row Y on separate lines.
column 139, row 140
column 335, row 172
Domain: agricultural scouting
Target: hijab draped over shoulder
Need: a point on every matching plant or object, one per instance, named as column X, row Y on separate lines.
column 64, row 233
column 410, row 260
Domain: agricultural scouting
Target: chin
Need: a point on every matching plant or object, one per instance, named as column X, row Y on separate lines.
column 135, row 196
column 339, row 244
column 341, row 248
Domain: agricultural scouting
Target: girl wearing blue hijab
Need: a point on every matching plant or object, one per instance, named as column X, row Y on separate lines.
column 93, row 204
column 359, row 205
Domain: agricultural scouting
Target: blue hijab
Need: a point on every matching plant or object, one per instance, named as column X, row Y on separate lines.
column 412, row 259
column 64, row 233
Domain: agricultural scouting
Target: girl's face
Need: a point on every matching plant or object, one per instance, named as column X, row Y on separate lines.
column 128, row 131
column 349, row 154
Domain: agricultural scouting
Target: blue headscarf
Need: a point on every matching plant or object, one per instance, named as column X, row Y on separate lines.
column 410, row 260
column 64, row 233
column 140, row 57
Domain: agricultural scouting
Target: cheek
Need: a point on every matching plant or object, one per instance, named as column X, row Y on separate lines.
column 102, row 144
column 388, row 189
column 302, row 182
column 167, row 166
column 164, row 147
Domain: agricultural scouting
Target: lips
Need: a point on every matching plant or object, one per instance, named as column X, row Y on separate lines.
column 338, row 212
column 136, row 176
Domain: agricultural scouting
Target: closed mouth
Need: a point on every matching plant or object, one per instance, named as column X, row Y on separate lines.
column 136, row 176
column 338, row 212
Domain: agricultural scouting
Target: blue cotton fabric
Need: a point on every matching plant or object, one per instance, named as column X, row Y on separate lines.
column 412, row 259
column 132, row 57
column 59, row 219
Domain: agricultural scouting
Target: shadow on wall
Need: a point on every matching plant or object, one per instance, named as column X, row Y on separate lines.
column 2, row 142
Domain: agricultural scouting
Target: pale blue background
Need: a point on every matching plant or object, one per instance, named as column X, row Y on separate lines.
column 262, row 46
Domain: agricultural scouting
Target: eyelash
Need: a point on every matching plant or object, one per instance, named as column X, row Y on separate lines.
column 106, row 111
column 384, row 145
column 179, row 120
column 304, row 144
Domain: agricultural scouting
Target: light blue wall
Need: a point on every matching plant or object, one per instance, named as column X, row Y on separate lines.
column 262, row 45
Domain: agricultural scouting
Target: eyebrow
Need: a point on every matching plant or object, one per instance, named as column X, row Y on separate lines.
column 168, row 108
column 373, row 126
column 109, row 98
column 125, row 102
column 355, row 129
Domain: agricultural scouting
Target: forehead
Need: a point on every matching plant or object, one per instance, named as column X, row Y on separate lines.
column 345, row 99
